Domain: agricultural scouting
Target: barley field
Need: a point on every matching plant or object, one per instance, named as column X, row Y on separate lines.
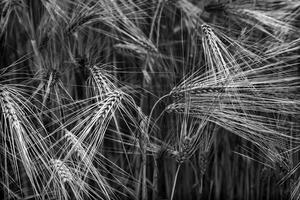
column 149, row 99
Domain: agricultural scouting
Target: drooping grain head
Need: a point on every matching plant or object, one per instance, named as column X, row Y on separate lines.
column 9, row 109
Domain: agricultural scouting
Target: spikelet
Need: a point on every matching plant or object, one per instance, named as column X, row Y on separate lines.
column 221, row 72
column 180, row 92
column 183, row 152
column 95, row 120
column 273, row 18
column 261, row 130
column 89, row 168
column 185, row 148
column 25, row 150
column 9, row 109
column 80, row 151
column 133, row 48
column 11, row 113
column 143, row 133
column 221, row 64
column 102, row 81
column 132, row 32
column 100, row 77
column 62, row 170
column 139, row 51
column 86, row 15
column 203, row 161
column 175, row 107
column 54, row 75
column 258, row 113
column 109, row 104
column 136, row 35
column 5, row 12
column 191, row 12
column 148, row 46
column 55, row 11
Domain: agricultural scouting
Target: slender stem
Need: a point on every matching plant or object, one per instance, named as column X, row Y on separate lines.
column 155, row 179
column 175, row 180
column 144, row 168
column 139, row 170
column 115, row 119
column 152, row 110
